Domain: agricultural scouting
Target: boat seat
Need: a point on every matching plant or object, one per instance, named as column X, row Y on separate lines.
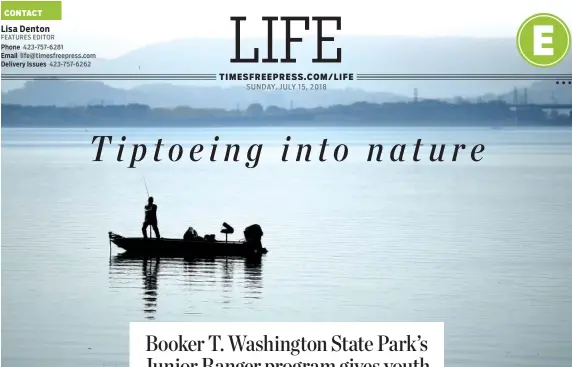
column 227, row 229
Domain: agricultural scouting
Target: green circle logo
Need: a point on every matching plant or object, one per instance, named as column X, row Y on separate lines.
column 543, row 40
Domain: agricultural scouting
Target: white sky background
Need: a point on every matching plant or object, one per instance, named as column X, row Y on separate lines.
column 111, row 28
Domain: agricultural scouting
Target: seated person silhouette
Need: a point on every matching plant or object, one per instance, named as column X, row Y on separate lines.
column 150, row 219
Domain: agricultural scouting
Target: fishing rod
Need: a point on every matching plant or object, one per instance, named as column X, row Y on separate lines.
column 146, row 188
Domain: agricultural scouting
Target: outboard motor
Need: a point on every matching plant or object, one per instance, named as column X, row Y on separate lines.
column 253, row 234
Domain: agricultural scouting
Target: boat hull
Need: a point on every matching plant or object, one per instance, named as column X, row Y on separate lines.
column 184, row 248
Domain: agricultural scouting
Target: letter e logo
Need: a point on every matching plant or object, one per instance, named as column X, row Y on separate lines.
column 543, row 40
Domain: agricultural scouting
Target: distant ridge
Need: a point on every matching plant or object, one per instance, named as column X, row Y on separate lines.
column 77, row 93
column 82, row 93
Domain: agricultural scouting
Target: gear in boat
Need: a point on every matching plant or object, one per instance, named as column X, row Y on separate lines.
column 252, row 234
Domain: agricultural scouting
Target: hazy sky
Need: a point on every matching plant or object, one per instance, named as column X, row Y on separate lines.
column 113, row 27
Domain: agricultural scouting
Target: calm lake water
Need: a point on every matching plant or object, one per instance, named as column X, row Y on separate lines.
column 484, row 247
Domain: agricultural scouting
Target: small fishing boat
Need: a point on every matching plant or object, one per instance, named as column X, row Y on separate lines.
column 193, row 245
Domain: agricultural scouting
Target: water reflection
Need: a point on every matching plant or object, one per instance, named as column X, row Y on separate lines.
column 150, row 271
column 191, row 276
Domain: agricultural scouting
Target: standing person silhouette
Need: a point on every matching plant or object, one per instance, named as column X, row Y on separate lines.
column 150, row 219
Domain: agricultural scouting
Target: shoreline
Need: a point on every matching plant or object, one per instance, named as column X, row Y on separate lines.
column 493, row 125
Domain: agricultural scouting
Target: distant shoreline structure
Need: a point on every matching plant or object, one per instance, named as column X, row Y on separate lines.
column 416, row 113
